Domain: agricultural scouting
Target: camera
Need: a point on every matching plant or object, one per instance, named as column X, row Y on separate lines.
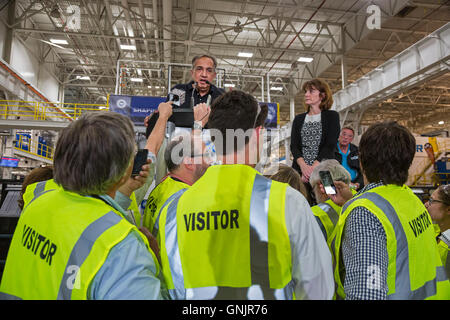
column 175, row 98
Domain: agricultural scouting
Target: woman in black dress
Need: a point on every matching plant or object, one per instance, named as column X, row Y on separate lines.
column 314, row 133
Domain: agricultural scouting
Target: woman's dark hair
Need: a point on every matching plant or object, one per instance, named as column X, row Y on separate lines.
column 386, row 151
column 325, row 92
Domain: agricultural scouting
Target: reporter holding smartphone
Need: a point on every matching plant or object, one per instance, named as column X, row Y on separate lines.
column 326, row 211
column 384, row 242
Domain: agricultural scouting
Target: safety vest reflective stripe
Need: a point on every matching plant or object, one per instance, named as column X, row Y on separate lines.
column 259, row 216
column 156, row 225
column 44, row 192
column 321, row 226
column 173, row 252
column 445, row 256
column 258, row 222
column 40, row 187
column 6, row 296
column 332, row 214
column 82, row 249
column 402, row 278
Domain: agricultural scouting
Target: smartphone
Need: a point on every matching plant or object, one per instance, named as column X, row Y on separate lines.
column 327, row 181
column 139, row 160
column 175, row 98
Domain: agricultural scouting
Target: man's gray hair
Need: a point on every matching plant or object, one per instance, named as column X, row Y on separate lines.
column 194, row 60
column 338, row 172
column 93, row 153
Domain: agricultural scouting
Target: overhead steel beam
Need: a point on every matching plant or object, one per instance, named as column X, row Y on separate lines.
column 424, row 60
column 295, row 51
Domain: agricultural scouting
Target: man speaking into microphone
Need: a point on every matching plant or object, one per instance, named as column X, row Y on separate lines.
column 199, row 90
column 203, row 73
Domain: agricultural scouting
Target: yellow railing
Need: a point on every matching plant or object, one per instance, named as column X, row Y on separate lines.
column 35, row 148
column 36, row 110
column 430, row 178
column 434, row 178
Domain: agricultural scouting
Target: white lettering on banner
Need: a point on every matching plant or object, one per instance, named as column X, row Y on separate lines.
column 73, row 281
column 374, row 20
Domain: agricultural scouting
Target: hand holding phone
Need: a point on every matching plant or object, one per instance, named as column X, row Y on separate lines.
column 139, row 160
column 327, row 181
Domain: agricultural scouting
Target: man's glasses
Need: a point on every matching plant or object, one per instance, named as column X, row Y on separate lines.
column 431, row 201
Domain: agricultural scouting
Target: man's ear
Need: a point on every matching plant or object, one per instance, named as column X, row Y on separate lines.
column 188, row 162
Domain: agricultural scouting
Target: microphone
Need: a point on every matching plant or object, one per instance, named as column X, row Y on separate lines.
column 192, row 95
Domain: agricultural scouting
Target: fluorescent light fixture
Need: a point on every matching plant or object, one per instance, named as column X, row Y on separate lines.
column 305, row 59
column 229, row 85
column 127, row 47
column 136, row 79
column 277, row 88
column 83, row 78
column 245, row 54
column 441, row 122
column 149, row 87
column 59, row 41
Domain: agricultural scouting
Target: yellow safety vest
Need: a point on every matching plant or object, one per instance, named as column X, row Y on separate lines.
column 228, row 232
column 61, row 241
column 35, row 189
column 444, row 252
column 163, row 193
column 327, row 215
column 415, row 270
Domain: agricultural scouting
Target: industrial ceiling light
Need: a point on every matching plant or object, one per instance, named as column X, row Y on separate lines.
column 276, row 88
column 59, row 41
column 136, row 79
column 127, row 47
column 305, row 59
column 441, row 122
column 245, row 54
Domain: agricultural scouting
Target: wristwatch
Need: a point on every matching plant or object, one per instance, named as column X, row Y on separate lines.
column 197, row 125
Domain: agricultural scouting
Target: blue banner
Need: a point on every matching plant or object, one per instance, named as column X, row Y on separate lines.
column 134, row 107
column 272, row 120
column 138, row 107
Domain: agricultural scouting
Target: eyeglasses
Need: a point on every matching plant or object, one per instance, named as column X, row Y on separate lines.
column 431, row 201
column 208, row 70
